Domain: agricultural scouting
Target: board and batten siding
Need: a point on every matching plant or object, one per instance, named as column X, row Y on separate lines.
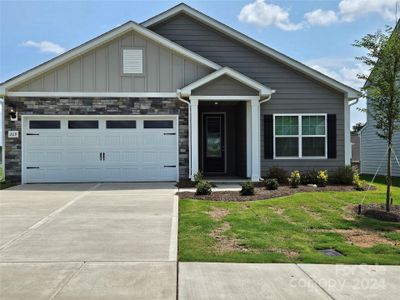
column 100, row 70
column 374, row 150
column 295, row 92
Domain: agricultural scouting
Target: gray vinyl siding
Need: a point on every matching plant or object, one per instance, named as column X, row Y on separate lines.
column 374, row 149
column 101, row 70
column 225, row 86
column 295, row 93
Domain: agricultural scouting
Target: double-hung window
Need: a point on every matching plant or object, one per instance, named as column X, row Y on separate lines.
column 300, row 136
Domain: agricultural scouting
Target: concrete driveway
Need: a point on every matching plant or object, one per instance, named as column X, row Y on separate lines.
column 88, row 241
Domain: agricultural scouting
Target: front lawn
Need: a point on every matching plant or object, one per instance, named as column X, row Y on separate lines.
column 289, row 229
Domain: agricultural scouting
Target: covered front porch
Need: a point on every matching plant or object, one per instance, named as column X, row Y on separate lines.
column 224, row 125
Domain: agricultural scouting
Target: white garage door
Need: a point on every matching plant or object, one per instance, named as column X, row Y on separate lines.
column 98, row 148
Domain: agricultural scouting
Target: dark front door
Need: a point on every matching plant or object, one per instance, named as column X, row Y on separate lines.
column 213, row 143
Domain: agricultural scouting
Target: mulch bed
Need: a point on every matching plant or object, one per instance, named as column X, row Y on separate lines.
column 378, row 211
column 261, row 193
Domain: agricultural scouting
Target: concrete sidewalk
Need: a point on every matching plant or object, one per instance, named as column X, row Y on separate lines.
column 287, row 281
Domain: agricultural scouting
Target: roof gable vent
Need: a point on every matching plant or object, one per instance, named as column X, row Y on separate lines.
column 132, row 61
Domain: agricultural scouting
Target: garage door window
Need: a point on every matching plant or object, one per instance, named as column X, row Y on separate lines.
column 47, row 124
column 81, row 124
column 158, row 124
column 120, row 124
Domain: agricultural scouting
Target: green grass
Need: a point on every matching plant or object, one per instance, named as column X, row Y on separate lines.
column 270, row 228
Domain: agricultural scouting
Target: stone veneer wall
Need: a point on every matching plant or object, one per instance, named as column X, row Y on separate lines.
column 91, row 106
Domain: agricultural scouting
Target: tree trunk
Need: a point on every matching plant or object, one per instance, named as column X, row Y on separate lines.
column 389, row 176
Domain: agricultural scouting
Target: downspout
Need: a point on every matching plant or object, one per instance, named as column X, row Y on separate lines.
column 178, row 95
column 268, row 98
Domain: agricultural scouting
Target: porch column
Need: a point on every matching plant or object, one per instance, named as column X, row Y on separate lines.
column 194, row 122
column 255, row 140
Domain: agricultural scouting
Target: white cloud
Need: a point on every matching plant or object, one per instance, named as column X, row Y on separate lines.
column 263, row 14
column 321, row 17
column 349, row 10
column 45, row 46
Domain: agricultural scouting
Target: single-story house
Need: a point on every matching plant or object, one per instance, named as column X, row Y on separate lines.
column 162, row 100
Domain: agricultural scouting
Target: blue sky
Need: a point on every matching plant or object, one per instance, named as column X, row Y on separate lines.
column 318, row 33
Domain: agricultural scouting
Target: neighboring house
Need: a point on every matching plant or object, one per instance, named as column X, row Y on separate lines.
column 162, row 100
column 355, row 147
column 374, row 149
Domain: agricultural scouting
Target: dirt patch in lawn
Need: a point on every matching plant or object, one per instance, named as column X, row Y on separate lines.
column 218, row 213
column 312, row 213
column 362, row 238
column 262, row 193
column 281, row 212
column 225, row 243
column 288, row 253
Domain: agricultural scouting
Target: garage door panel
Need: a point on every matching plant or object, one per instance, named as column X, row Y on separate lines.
column 76, row 155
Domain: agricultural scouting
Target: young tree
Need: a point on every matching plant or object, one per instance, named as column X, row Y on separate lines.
column 382, row 87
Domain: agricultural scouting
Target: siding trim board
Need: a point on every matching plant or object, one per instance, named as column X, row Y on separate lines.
column 91, row 95
column 199, row 16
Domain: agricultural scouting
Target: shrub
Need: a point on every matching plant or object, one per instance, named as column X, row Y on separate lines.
column 343, row 175
column 309, row 177
column 322, row 178
column 294, row 179
column 203, row 188
column 271, row 184
column 198, row 177
column 359, row 184
column 279, row 174
column 247, row 189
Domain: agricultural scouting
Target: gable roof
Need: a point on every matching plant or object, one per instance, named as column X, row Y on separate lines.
column 183, row 8
column 226, row 71
column 100, row 40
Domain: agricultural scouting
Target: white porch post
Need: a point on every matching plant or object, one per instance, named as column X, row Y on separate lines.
column 255, row 140
column 248, row 138
column 194, row 122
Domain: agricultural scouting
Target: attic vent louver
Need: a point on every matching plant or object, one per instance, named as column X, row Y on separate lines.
column 132, row 61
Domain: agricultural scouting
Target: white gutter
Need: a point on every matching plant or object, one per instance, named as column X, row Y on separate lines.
column 268, row 98
column 178, row 95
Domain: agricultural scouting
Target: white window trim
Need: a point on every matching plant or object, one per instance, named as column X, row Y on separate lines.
column 300, row 136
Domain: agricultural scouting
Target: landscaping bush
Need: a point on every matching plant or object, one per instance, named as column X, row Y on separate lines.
column 279, row 174
column 322, row 178
column 271, row 184
column 309, row 177
column 343, row 175
column 198, row 177
column 294, row 179
column 247, row 189
column 359, row 184
column 203, row 188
